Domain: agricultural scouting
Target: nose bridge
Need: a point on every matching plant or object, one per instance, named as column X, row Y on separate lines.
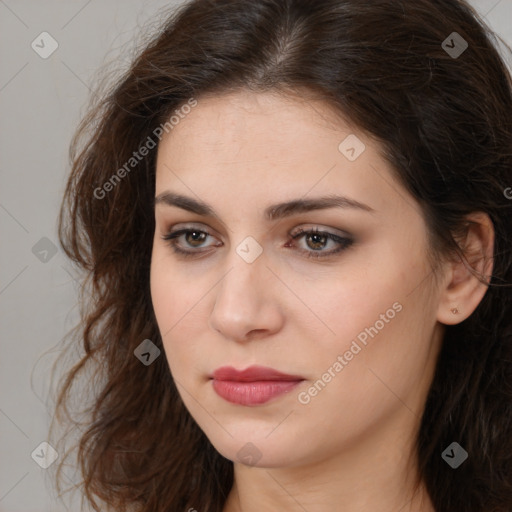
column 246, row 262
column 241, row 284
column 243, row 300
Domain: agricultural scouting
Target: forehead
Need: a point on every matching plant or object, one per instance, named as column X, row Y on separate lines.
column 246, row 117
column 253, row 133
column 266, row 148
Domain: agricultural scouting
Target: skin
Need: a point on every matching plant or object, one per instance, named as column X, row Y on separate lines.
column 352, row 444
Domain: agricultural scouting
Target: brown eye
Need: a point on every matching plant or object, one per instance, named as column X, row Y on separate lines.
column 317, row 240
column 195, row 238
column 191, row 239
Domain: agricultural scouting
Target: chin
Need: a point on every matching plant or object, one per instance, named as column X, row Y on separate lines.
column 247, row 449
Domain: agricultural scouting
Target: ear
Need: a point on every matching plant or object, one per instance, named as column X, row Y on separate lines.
column 462, row 290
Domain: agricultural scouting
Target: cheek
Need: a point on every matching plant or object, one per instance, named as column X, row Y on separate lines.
column 363, row 329
column 172, row 290
column 181, row 330
column 369, row 369
column 176, row 303
column 354, row 297
column 376, row 315
column 162, row 293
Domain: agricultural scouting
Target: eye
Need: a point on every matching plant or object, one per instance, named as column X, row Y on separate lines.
column 317, row 240
column 193, row 237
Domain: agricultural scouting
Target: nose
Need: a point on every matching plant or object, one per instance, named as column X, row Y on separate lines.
column 246, row 302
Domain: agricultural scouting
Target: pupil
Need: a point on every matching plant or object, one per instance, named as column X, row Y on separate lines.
column 318, row 240
column 196, row 236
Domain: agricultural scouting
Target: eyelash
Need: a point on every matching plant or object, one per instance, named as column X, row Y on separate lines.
column 342, row 241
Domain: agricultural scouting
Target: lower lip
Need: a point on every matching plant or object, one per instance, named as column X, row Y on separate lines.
column 252, row 393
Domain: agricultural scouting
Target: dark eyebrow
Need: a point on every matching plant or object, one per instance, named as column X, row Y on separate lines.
column 273, row 212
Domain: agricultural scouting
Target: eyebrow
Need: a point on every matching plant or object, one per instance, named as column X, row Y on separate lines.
column 273, row 212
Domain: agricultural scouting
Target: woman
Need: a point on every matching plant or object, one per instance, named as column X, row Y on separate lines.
column 294, row 216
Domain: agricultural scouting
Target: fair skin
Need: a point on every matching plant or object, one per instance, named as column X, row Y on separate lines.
column 350, row 447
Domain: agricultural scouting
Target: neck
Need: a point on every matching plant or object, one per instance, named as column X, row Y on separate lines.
column 377, row 472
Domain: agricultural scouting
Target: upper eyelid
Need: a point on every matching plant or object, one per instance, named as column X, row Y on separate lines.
column 343, row 242
column 308, row 226
column 338, row 238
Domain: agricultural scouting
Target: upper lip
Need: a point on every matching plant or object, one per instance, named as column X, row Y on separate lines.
column 252, row 374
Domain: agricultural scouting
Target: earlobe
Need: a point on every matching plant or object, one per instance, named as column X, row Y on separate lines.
column 468, row 276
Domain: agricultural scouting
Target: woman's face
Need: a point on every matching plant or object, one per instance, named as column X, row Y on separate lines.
column 353, row 317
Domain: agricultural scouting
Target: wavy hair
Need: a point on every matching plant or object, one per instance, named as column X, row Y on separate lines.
column 444, row 122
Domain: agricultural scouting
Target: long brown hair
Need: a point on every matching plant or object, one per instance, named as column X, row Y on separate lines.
column 441, row 106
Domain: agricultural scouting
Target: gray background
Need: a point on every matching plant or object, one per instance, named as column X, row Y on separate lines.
column 41, row 102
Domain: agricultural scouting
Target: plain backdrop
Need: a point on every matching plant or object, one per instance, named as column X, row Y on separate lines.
column 41, row 102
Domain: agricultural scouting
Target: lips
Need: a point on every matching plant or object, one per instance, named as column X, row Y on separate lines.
column 252, row 374
column 255, row 385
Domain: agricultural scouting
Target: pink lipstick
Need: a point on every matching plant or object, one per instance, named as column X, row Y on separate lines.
column 253, row 386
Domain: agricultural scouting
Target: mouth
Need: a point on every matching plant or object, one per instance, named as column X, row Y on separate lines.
column 253, row 386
